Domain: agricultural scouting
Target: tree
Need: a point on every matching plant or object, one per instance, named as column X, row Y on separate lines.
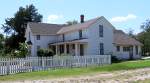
column 16, row 25
column 131, row 34
column 146, row 26
column 1, row 41
column 72, row 22
column 144, row 37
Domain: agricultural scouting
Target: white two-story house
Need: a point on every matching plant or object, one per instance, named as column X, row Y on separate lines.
column 93, row 37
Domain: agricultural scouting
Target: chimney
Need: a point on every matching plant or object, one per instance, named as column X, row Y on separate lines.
column 82, row 18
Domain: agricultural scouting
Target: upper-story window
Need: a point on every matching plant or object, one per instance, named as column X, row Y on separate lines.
column 63, row 37
column 29, row 36
column 80, row 34
column 38, row 37
column 100, row 30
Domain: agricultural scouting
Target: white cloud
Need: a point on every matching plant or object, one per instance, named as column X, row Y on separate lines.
column 53, row 18
column 119, row 19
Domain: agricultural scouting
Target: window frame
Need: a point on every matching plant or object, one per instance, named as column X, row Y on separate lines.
column 126, row 49
column 136, row 50
column 101, row 31
column 101, row 48
column 63, row 36
column 80, row 34
column 29, row 36
column 38, row 47
column 38, row 37
column 118, row 48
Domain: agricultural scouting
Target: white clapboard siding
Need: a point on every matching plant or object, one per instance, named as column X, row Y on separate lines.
column 29, row 64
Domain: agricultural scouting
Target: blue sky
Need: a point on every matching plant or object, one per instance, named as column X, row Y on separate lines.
column 123, row 14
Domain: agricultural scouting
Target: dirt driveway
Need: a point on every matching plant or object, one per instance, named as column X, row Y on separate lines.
column 124, row 76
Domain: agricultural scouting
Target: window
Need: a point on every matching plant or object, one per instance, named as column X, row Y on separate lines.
column 136, row 48
column 29, row 36
column 38, row 37
column 101, row 49
column 118, row 48
column 38, row 47
column 63, row 37
column 80, row 34
column 100, row 30
column 81, row 49
column 125, row 49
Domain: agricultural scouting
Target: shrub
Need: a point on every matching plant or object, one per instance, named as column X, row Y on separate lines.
column 114, row 59
column 45, row 52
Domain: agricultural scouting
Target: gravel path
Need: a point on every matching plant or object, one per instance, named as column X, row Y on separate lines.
column 124, row 76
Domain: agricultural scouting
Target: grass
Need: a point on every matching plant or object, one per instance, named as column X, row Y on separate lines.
column 76, row 71
column 143, row 81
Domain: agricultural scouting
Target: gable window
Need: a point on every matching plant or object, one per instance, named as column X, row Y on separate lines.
column 80, row 34
column 126, row 49
column 136, row 48
column 118, row 48
column 38, row 37
column 101, row 31
column 101, row 49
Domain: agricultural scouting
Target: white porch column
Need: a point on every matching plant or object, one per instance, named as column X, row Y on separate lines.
column 56, row 50
column 65, row 49
column 76, row 49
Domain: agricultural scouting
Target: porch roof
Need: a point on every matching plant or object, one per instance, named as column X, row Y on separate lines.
column 81, row 41
column 120, row 38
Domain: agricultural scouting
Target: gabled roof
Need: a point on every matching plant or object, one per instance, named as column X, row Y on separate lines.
column 44, row 28
column 120, row 38
column 53, row 29
column 78, row 26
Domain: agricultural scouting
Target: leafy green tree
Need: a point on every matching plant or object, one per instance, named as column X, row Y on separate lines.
column 16, row 25
column 144, row 37
column 1, row 41
column 131, row 34
column 72, row 22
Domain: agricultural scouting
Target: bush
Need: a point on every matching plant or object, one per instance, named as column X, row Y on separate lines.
column 23, row 50
column 45, row 52
column 114, row 59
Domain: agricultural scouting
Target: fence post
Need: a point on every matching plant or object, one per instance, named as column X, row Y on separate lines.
column 7, row 65
column 109, row 59
column 43, row 62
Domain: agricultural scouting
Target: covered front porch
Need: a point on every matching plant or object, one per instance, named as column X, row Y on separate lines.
column 74, row 48
column 128, row 51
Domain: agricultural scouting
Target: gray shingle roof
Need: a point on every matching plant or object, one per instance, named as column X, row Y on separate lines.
column 120, row 38
column 78, row 26
column 53, row 29
column 44, row 28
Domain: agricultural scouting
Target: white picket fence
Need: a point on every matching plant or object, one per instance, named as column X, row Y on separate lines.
column 29, row 64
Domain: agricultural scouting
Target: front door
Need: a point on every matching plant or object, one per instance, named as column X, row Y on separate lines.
column 131, row 52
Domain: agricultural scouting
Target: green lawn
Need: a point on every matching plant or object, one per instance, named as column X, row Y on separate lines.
column 77, row 71
column 143, row 81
